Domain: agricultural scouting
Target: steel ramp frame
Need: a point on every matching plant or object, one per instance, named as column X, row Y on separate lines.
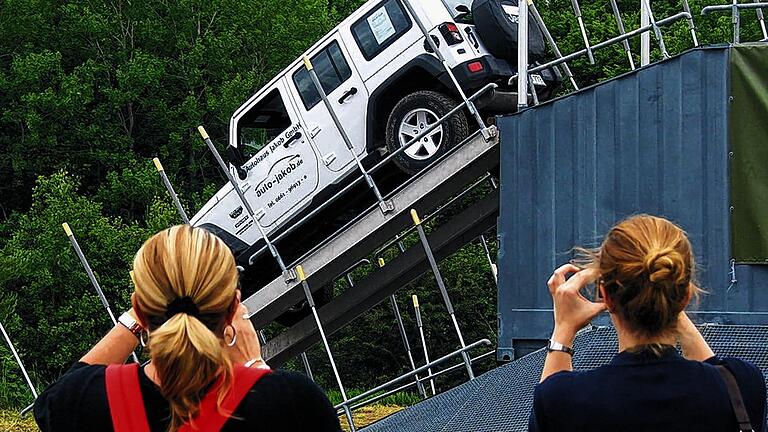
column 446, row 177
column 376, row 287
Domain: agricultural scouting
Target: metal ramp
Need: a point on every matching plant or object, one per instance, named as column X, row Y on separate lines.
column 501, row 400
column 445, row 178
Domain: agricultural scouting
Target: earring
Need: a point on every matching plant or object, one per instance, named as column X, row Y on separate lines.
column 234, row 336
column 142, row 340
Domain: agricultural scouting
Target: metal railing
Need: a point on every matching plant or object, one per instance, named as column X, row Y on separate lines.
column 735, row 8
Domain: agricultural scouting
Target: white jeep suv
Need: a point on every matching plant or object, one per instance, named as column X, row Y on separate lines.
column 385, row 85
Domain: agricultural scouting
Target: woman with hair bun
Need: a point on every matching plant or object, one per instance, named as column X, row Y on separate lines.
column 644, row 270
column 206, row 372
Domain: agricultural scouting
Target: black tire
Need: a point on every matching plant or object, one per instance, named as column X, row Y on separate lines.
column 433, row 105
column 499, row 33
column 301, row 310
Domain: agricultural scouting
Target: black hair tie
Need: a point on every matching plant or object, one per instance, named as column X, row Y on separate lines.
column 182, row 305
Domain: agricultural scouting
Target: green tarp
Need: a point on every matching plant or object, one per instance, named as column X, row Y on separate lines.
column 749, row 158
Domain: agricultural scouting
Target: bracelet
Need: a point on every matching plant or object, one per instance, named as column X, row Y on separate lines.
column 131, row 324
column 557, row 346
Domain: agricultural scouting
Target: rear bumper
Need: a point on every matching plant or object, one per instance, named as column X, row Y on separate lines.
column 493, row 70
column 499, row 71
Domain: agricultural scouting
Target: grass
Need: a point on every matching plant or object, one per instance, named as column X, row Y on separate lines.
column 369, row 414
column 10, row 422
column 400, row 399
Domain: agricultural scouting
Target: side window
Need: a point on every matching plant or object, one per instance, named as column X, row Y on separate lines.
column 332, row 70
column 262, row 123
column 380, row 28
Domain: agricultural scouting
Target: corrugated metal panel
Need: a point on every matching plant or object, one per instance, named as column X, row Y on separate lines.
column 653, row 141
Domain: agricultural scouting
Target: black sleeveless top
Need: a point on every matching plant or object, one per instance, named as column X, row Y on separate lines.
column 280, row 401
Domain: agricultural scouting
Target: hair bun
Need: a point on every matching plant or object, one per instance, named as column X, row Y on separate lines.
column 664, row 264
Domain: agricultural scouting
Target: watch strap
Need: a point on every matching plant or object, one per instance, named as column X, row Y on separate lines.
column 131, row 324
column 553, row 345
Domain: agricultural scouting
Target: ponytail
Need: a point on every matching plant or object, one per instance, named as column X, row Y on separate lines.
column 185, row 285
column 188, row 358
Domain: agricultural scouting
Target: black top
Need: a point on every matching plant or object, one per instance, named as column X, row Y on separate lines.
column 280, row 401
column 643, row 392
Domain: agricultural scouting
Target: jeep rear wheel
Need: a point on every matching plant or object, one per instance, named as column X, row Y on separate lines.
column 412, row 115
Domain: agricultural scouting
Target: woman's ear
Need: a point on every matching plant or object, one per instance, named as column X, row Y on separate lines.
column 140, row 316
column 607, row 300
column 233, row 307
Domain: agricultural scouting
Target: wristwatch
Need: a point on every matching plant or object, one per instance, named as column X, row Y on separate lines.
column 131, row 324
column 557, row 346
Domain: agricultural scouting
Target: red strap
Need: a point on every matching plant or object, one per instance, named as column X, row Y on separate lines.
column 209, row 418
column 125, row 402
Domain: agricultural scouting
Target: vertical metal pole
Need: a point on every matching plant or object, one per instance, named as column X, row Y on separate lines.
column 385, row 206
column 420, row 325
column 18, row 360
column 583, row 30
column 736, row 19
column 645, row 37
column 522, row 55
column 656, row 29
column 403, row 335
column 288, row 275
column 540, row 21
column 311, row 301
column 171, row 192
column 441, row 286
column 470, row 105
column 622, row 31
column 92, row 277
column 761, row 18
column 691, row 24
column 494, row 269
column 307, row 368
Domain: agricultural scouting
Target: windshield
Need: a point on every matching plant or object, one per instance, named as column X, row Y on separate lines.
column 262, row 123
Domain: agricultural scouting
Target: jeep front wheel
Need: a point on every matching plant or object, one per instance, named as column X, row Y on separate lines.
column 415, row 113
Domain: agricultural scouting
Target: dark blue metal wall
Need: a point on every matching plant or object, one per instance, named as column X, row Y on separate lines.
column 653, row 141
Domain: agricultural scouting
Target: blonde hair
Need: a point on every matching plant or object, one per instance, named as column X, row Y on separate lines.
column 647, row 269
column 192, row 264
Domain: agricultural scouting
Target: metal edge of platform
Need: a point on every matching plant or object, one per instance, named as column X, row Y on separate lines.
column 373, row 289
column 467, row 162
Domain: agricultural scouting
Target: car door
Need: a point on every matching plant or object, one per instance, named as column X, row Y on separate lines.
column 282, row 172
column 348, row 98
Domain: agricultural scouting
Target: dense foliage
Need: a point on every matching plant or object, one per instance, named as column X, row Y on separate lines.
column 90, row 91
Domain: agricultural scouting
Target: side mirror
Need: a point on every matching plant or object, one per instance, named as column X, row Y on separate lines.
column 237, row 160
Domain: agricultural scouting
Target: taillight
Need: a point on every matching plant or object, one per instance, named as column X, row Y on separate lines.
column 475, row 66
column 450, row 32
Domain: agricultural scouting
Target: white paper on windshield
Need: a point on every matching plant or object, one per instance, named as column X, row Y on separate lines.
column 381, row 25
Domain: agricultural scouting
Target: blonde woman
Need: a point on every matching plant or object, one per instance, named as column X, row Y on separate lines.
column 645, row 272
column 206, row 371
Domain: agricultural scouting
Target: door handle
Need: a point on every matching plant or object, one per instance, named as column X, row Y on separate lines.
column 293, row 138
column 348, row 94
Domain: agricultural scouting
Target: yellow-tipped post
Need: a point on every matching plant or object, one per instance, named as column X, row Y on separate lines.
column 67, row 229
column 308, row 63
column 381, row 262
column 203, row 133
column 300, row 273
column 415, row 300
column 415, row 217
column 158, row 165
